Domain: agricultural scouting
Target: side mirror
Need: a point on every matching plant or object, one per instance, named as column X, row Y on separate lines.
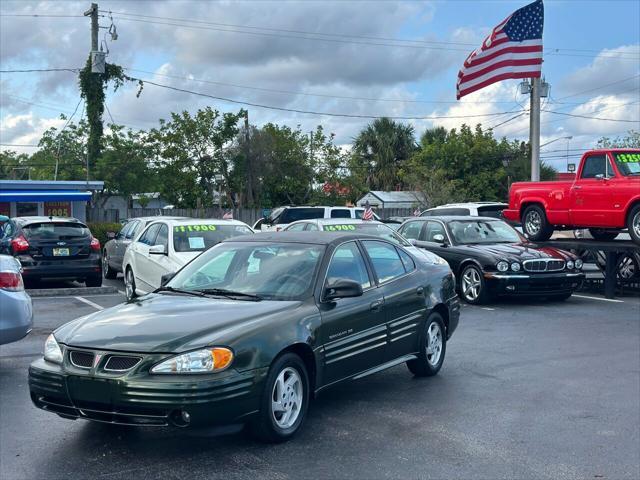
column 600, row 176
column 438, row 237
column 111, row 235
column 157, row 250
column 164, row 279
column 342, row 288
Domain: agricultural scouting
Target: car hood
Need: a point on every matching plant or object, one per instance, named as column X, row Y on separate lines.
column 517, row 251
column 167, row 323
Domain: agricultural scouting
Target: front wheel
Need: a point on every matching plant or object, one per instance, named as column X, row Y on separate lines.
column 473, row 287
column 284, row 401
column 433, row 346
column 107, row 271
column 602, row 235
column 633, row 224
column 535, row 224
column 129, row 284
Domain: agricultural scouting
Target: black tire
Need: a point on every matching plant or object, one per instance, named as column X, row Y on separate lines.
column 94, row 281
column 628, row 267
column 129, row 277
column 424, row 365
column 534, row 215
column 265, row 427
column 602, row 235
column 107, row 271
column 471, row 273
column 633, row 224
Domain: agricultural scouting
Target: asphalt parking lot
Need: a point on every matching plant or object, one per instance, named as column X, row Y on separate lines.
column 528, row 390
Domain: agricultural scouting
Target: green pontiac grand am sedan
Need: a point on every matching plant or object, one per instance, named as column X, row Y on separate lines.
column 249, row 331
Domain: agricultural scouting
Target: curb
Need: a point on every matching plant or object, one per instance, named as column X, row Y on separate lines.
column 58, row 292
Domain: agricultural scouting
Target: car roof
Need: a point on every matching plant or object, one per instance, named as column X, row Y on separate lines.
column 338, row 221
column 470, row 204
column 42, row 219
column 156, row 217
column 199, row 221
column 462, row 218
column 312, row 238
column 323, row 206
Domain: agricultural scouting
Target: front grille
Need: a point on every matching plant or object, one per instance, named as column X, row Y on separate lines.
column 543, row 265
column 121, row 363
column 81, row 359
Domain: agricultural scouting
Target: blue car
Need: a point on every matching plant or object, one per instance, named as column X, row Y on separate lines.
column 16, row 313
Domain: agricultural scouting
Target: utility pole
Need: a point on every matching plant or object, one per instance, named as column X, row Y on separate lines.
column 534, row 129
column 247, row 146
column 93, row 13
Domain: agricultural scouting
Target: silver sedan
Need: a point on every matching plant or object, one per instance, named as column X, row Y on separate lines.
column 16, row 313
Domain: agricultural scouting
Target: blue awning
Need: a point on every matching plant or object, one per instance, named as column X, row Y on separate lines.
column 43, row 195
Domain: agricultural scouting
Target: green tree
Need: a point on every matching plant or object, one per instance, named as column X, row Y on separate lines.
column 379, row 152
column 14, row 165
column 631, row 140
column 191, row 153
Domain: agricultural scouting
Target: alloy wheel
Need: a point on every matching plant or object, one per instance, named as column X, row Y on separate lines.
column 471, row 284
column 287, row 398
column 128, row 285
column 627, row 268
column 635, row 224
column 434, row 344
column 105, row 263
column 533, row 222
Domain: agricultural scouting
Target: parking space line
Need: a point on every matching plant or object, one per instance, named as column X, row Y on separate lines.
column 89, row 302
column 103, row 295
column 598, row 298
column 488, row 308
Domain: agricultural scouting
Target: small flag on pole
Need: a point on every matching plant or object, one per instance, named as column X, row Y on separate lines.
column 368, row 212
column 512, row 50
column 228, row 215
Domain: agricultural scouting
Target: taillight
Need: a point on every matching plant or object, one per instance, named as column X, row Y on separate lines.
column 11, row 281
column 95, row 244
column 19, row 244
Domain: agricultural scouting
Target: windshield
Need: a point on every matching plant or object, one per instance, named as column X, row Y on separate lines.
column 199, row 237
column 628, row 163
column 375, row 229
column 52, row 230
column 271, row 271
column 482, row 231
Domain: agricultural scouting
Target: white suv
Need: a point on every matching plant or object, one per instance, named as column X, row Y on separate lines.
column 283, row 216
column 473, row 209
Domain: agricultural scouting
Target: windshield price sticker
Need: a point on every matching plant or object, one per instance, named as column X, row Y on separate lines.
column 628, row 157
column 339, row 228
column 194, row 228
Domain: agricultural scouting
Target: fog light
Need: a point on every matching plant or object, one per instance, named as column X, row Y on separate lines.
column 185, row 416
column 511, row 288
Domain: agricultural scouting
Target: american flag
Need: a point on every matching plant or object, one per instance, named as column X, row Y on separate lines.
column 512, row 50
column 368, row 212
column 228, row 216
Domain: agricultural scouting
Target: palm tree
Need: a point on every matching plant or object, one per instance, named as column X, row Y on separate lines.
column 381, row 148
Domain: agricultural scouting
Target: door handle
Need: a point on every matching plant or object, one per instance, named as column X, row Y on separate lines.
column 377, row 305
column 420, row 290
column 577, row 187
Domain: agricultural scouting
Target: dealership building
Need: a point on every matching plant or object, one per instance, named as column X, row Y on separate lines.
column 20, row 198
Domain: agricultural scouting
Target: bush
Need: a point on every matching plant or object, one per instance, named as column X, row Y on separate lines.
column 99, row 230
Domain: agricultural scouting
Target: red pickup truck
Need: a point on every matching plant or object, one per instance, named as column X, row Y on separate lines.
column 604, row 197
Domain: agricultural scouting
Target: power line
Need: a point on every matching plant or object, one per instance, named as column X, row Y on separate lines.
column 592, row 118
column 73, row 70
column 600, row 87
column 18, row 145
column 39, row 15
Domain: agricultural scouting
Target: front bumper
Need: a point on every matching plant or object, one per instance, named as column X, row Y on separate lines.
column 68, row 268
column 534, row 284
column 145, row 400
column 454, row 315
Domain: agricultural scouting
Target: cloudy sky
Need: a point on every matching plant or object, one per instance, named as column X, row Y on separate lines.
column 370, row 58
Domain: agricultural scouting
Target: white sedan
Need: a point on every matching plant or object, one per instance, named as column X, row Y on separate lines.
column 165, row 246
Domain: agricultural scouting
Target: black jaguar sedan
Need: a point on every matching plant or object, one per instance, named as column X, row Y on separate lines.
column 249, row 331
column 490, row 258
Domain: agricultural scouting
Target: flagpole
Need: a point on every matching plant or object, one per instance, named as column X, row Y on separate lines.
column 534, row 129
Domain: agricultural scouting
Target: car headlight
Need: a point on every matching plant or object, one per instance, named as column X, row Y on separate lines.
column 503, row 266
column 52, row 351
column 207, row 360
column 570, row 264
column 578, row 264
column 515, row 266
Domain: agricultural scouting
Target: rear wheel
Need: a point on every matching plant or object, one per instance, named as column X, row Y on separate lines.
column 602, row 235
column 535, row 224
column 284, row 401
column 107, row 271
column 633, row 224
column 433, row 346
column 473, row 287
column 94, row 281
column 129, row 284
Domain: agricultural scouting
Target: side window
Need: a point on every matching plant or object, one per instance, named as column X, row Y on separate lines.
column 385, row 259
column 412, row 230
column 131, row 230
column 407, row 261
column 595, row 165
column 340, row 213
column 298, row 227
column 163, row 237
column 433, row 229
column 311, row 227
column 135, row 230
column 347, row 263
column 453, row 211
column 124, row 230
column 148, row 237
